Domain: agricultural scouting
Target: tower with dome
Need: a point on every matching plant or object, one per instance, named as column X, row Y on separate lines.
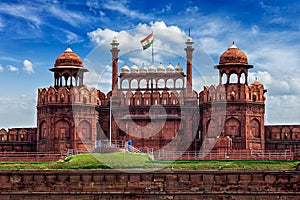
column 66, row 117
column 242, row 105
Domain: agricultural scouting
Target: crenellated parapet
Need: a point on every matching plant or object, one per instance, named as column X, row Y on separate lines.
column 165, row 98
column 18, row 135
column 65, row 95
column 233, row 92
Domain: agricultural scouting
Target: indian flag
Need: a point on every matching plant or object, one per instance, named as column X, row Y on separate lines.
column 147, row 41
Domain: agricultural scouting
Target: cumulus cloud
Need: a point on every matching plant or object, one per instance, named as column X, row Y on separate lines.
column 169, row 44
column 169, row 38
column 12, row 68
column 28, row 67
column 1, row 68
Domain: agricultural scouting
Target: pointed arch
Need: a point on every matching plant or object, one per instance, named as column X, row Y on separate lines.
column 179, row 83
column 3, row 135
column 233, row 127
column 84, row 130
column 233, row 77
column 243, row 78
column 43, row 130
column 143, row 83
column 62, row 129
column 255, row 128
column 170, row 83
column 125, row 84
column 134, row 84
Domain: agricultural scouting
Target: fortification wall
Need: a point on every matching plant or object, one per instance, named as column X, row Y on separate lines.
column 166, row 184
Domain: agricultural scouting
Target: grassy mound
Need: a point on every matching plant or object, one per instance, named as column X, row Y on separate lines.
column 123, row 160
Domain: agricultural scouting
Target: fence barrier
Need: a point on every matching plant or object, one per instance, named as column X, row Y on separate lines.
column 214, row 155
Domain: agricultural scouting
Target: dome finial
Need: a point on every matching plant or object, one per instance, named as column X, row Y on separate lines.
column 233, row 46
column 68, row 49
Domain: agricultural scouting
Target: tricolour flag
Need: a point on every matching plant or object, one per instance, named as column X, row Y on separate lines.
column 147, row 41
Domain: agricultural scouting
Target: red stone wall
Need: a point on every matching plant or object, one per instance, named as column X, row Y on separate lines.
column 111, row 184
column 18, row 140
column 282, row 137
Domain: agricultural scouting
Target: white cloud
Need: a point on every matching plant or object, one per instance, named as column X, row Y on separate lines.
column 100, row 36
column 1, row 68
column 73, row 18
column 192, row 9
column 12, row 68
column 254, row 29
column 22, row 11
column 165, row 37
column 122, row 7
column 92, row 4
column 28, row 67
column 167, row 8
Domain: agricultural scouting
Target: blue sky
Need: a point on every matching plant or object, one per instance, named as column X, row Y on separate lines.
column 34, row 33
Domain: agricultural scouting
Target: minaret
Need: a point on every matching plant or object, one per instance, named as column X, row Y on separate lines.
column 115, row 53
column 189, row 60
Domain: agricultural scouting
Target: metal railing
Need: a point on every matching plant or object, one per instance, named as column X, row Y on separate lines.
column 30, row 156
column 233, row 155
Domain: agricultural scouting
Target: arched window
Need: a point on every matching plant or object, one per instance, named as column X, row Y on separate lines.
column 125, row 84
column 286, row 133
column 161, row 83
column 62, row 130
column 84, row 130
column 179, row 83
column 243, row 78
column 134, row 84
column 223, row 78
column 233, row 78
column 170, row 83
column 254, row 128
column 143, row 83
column 43, row 130
column 233, row 127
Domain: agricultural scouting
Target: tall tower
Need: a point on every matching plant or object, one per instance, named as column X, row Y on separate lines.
column 245, row 104
column 66, row 117
column 189, row 62
column 115, row 56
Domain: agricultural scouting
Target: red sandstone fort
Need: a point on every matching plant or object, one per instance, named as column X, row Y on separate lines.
column 153, row 107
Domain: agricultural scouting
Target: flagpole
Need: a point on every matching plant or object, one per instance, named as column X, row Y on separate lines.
column 152, row 51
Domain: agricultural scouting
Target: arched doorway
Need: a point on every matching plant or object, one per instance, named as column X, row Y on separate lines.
column 84, row 136
column 62, row 140
column 233, row 130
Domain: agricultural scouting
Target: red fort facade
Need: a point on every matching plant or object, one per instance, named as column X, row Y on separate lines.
column 152, row 107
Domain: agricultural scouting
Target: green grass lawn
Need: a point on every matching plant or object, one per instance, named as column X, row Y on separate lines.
column 131, row 160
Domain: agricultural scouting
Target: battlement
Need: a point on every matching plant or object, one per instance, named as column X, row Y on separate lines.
column 233, row 92
column 64, row 95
